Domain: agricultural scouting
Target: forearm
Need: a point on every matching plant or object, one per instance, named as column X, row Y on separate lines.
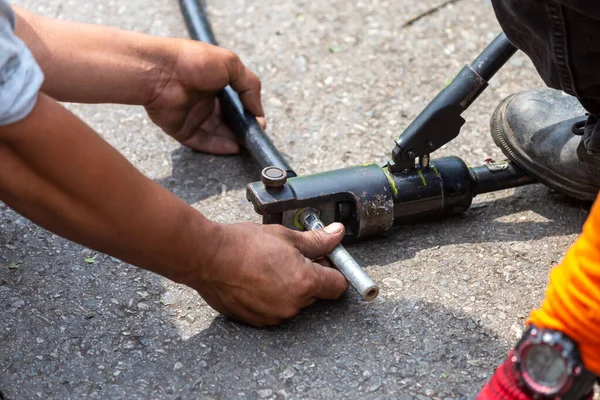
column 87, row 63
column 56, row 171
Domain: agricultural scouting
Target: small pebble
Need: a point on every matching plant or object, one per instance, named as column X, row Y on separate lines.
column 302, row 63
column 262, row 393
column 287, row 373
column 18, row 304
column 282, row 394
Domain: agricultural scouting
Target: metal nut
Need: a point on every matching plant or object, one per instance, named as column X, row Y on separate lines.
column 273, row 177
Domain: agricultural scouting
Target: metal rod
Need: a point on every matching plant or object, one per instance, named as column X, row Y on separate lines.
column 342, row 260
column 243, row 123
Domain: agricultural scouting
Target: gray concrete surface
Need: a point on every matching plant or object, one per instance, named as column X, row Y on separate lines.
column 455, row 293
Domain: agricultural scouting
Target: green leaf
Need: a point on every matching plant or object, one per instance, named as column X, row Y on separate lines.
column 89, row 260
column 15, row 265
column 334, row 48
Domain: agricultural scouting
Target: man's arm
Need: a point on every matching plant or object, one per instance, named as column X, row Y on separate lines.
column 175, row 79
column 58, row 172
column 87, row 63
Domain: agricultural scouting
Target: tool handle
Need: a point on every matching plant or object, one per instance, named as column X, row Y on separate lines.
column 441, row 120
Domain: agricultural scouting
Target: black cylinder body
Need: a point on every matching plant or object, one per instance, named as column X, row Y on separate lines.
column 444, row 188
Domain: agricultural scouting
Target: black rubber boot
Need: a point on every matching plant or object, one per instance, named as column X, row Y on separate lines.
column 543, row 131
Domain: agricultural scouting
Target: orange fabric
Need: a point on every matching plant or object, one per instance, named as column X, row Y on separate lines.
column 572, row 303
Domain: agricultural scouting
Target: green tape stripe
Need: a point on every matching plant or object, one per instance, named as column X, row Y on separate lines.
column 422, row 177
column 390, row 179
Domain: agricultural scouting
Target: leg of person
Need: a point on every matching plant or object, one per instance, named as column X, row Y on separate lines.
column 553, row 133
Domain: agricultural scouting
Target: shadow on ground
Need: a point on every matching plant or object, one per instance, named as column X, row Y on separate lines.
column 332, row 350
column 198, row 176
column 497, row 220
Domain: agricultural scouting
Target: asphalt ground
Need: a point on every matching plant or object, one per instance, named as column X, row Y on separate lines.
column 340, row 81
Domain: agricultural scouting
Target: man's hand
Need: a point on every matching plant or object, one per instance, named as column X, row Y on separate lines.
column 175, row 79
column 263, row 274
column 185, row 104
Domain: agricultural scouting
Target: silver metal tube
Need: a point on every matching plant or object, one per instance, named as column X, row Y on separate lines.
column 342, row 260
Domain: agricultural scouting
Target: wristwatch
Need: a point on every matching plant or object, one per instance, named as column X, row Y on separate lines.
column 548, row 365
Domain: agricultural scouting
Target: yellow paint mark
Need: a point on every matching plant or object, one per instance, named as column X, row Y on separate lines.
column 297, row 219
column 368, row 164
column 437, row 173
column 390, row 179
column 422, row 177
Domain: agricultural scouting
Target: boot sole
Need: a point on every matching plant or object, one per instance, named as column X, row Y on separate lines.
column 503, row 137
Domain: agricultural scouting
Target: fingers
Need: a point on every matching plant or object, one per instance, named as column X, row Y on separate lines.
column 262, row 122
column 328, row 283
column 245, row 83
column 250, row 318
column 316, row 244
column 217, row 145
column 324, row 262
column 214, row 136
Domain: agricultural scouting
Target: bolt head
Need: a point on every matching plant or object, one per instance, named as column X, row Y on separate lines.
column 273, row 177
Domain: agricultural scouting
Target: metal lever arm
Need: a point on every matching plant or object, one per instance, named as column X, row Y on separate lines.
column 441, row 120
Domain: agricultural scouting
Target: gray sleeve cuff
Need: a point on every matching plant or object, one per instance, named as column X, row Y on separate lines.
column 20, row 78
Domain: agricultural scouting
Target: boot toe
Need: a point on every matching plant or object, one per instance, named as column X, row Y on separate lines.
column 534, row 130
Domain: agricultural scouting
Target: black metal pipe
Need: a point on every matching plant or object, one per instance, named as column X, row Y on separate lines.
column 495, row 55
column 492, row 178
column 243, row 123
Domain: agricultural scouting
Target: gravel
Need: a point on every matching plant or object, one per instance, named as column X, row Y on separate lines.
column 340, row 82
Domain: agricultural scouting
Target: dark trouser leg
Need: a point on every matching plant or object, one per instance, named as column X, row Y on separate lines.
column 562, row 38
column 541, row 130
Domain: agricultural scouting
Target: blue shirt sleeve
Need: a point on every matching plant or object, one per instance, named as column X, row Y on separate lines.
column 20, row 76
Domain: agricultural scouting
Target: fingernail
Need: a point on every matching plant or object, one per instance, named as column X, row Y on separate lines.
column 334, row 228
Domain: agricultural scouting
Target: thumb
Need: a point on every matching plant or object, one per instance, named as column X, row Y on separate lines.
column 246, row 84
column 315, row 244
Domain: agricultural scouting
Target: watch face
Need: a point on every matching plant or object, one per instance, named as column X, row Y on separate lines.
column 544, row 369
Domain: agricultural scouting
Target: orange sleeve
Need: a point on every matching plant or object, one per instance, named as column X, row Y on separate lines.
column 572, row 302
